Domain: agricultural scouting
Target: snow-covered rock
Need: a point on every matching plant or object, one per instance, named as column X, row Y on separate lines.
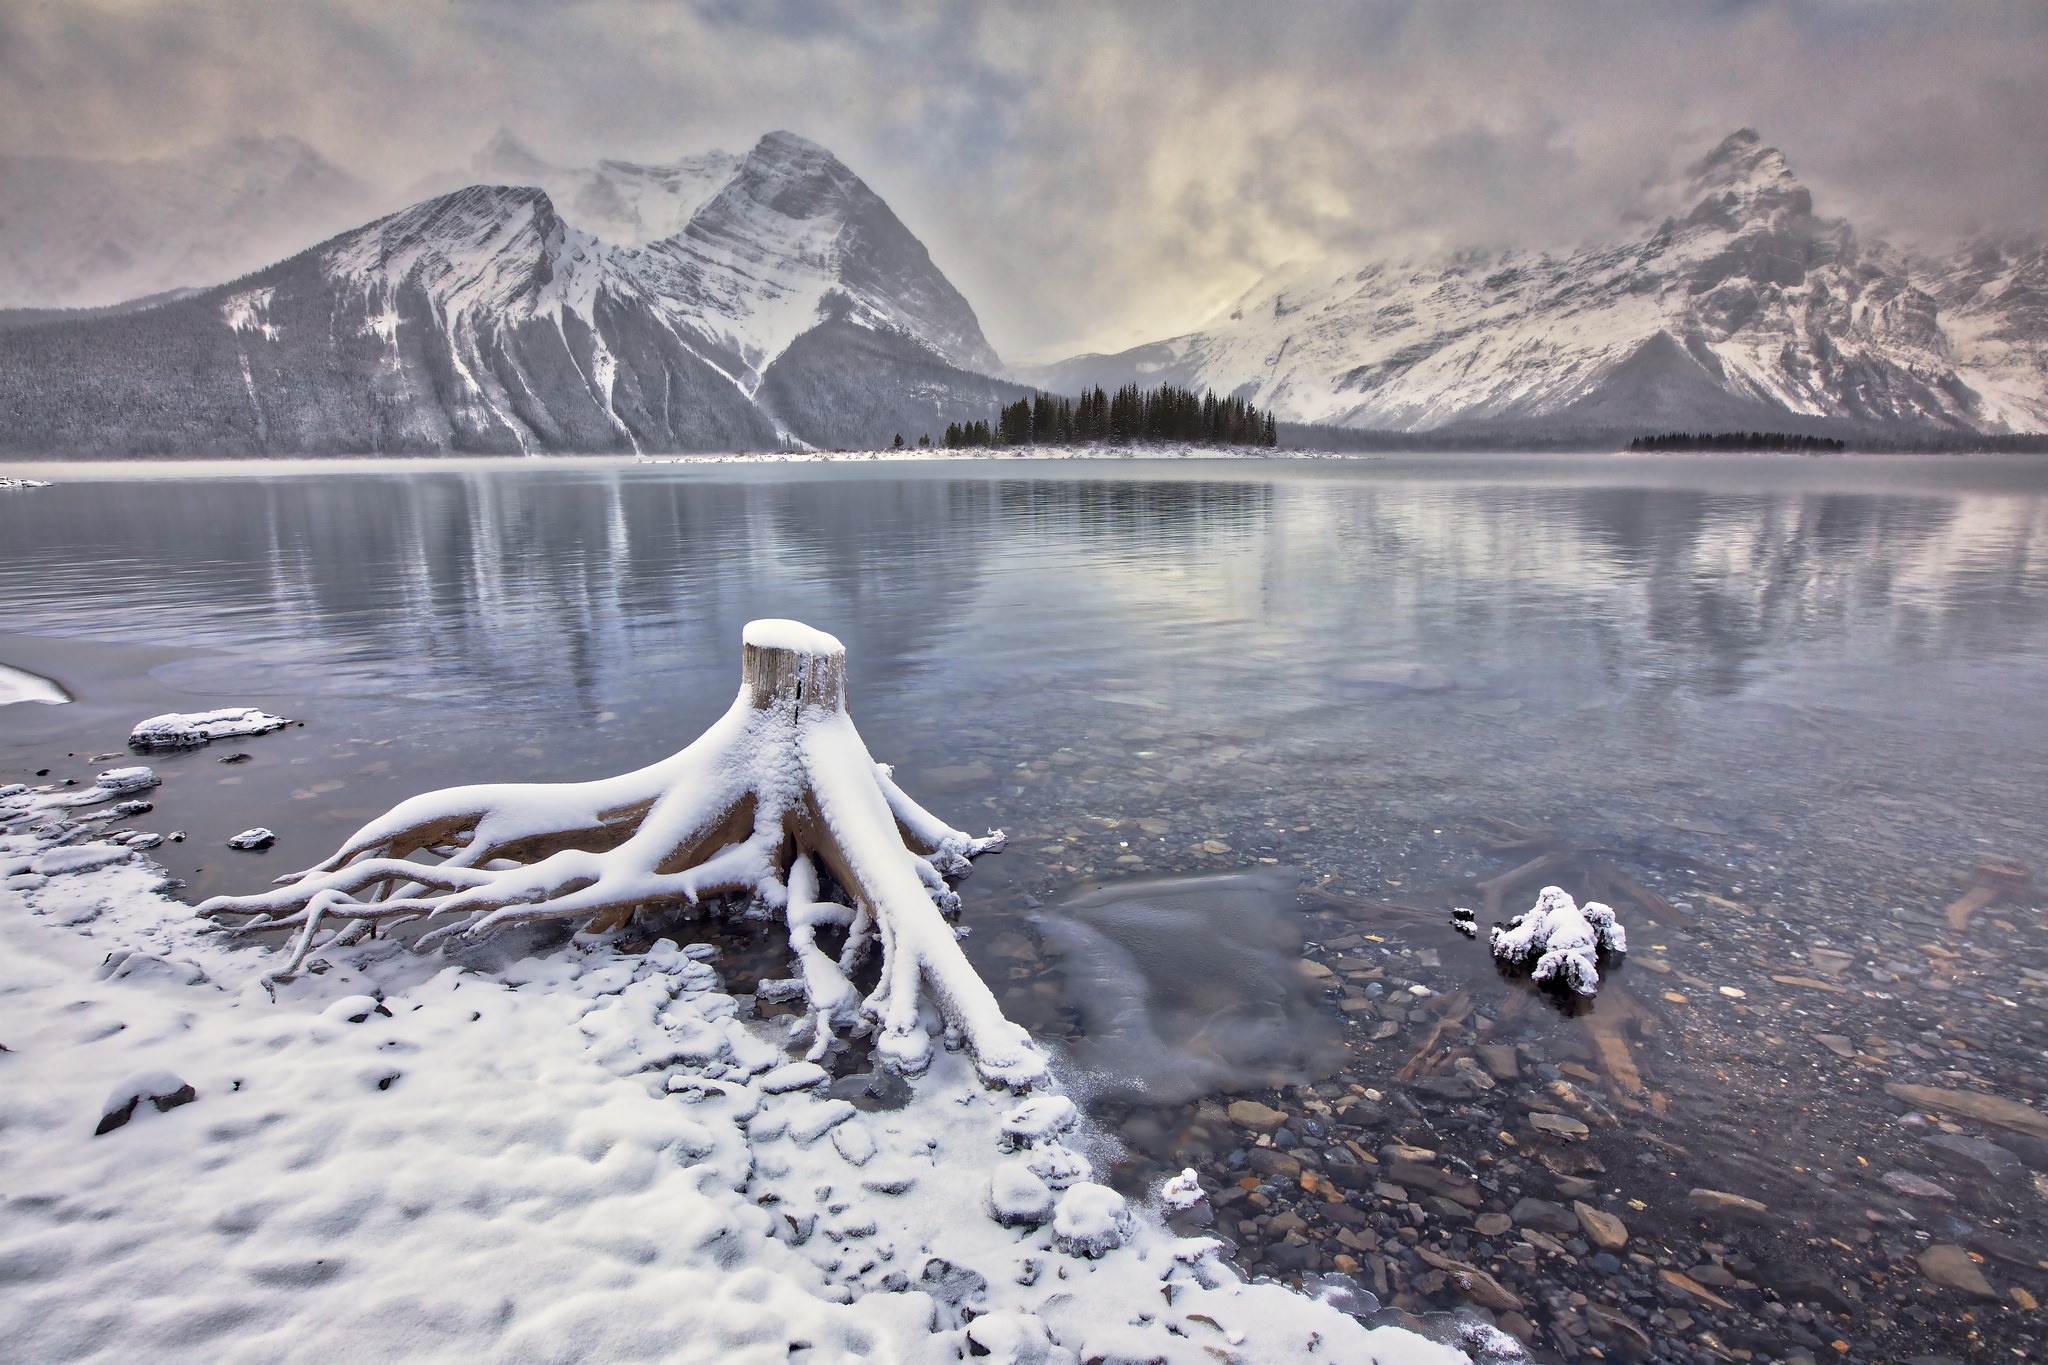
column 1017, row 1197
column 248, row 839
column 1184, row 1191
column 1091, row 1220
column 164, row 1090
column 1562, row 938
column 1040, row 1117
column 189, row 730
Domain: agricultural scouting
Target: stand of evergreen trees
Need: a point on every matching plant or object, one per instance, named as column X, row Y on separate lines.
column 1734, row 440
column 1129, row 415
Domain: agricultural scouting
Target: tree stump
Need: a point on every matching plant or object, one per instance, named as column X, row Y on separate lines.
column 778, row 793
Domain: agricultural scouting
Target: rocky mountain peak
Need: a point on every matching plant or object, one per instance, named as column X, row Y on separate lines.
column 1742, row 181
column 505, row 157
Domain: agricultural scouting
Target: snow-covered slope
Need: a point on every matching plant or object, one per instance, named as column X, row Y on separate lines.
column 1993, row 297
column 789, row 304
column 1741, row 309
column 85, row 234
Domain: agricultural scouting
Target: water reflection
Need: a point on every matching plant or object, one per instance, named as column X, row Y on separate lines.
column 1794, row 702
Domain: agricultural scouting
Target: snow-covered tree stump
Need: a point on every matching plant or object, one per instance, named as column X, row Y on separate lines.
column 779, row 787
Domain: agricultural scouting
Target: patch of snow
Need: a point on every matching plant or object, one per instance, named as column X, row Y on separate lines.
column 250, row 839
column 249, row 311
column 19, row 685
column 433, row 1160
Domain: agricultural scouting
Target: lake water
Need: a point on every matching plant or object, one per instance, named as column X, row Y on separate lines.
column 1797, row 701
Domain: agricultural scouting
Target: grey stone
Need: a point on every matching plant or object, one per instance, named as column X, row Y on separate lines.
column 1951, row 1267
column 1974, row 1157
column 1545, row 1216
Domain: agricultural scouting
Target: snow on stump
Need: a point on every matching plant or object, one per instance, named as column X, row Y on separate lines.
column 164, row 1089
column 778, row 793
column 1091, row 1220
column 190, row 730
column 1562, row 938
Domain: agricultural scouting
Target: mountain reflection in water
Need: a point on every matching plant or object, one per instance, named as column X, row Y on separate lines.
column 1798, row 699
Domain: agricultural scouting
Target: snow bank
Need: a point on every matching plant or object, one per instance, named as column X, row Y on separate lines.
column 579, row 1156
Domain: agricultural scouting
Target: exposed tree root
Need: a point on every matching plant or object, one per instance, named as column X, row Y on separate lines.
column 777, row 795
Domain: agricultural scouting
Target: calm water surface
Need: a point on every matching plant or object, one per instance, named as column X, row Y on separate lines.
column 1797, row 700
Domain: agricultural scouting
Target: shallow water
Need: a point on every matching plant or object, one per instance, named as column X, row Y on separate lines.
column 1793, row 700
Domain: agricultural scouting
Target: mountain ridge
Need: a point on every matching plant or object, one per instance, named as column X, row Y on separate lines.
column 483, row 320
column 1744, row 310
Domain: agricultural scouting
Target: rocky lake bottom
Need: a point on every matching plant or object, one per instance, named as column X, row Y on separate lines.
column 1794, row 736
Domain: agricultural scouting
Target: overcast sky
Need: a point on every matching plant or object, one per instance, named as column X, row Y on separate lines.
column 1097, row 174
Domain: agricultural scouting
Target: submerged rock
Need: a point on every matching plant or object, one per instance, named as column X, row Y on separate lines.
column 1189, row 986
column 1951, row 1266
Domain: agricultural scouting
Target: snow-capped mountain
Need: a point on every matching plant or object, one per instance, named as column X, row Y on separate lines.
column 1741, row 310
column 756, row 299
column 87, row 234
column 1993, row 301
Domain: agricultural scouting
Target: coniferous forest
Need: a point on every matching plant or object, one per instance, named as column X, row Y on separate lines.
column 1125, row 417
column 1736, row 441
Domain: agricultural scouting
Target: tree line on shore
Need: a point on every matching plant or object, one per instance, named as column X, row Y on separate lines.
column 1734, row 440
column 1131, row 414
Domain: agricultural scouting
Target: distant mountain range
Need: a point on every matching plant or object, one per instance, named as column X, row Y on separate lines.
column 763, row 299
column 748, row 301
column 1741, row 311
column 78, row 233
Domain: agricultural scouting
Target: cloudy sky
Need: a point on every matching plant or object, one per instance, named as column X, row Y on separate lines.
column 1100, row 173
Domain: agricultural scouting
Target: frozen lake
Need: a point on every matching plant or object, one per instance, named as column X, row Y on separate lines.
column 1795, row 700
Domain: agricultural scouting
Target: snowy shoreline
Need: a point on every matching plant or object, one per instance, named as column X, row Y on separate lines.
column 579, row 1155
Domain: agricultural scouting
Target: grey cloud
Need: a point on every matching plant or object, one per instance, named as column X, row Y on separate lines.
column 1094, row 174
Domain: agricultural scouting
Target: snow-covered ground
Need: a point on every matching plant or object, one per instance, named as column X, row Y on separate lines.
column 578, row 1156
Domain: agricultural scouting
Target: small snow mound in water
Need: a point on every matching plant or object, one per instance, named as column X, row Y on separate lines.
column 188, row 731
column 258, row 837
column 124, row 780
column 1184, row 1191
column 18, row 684
column 1092, row 1220
column 1562, row 937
